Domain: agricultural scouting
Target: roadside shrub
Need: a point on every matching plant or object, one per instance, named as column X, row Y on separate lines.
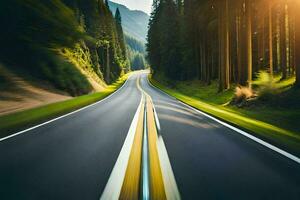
column 266, row 86
column 242, row 94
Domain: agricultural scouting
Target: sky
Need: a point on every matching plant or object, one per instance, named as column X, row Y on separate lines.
column 144, row 5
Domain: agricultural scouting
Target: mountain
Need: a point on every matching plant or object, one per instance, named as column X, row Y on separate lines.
column 134, row 22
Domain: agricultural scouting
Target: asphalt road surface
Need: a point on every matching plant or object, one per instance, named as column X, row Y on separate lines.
column 73, row 157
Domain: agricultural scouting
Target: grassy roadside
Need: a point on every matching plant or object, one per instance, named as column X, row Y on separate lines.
column 20, row 120
column 261, row 122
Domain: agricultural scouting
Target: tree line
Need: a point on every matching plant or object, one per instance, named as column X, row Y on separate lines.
column 228, row 40
column 35, row 33
column 136, row 53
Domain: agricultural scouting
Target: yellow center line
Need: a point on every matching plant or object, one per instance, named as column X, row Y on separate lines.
column 131, row 184
column 157, row 190
column 132, row 181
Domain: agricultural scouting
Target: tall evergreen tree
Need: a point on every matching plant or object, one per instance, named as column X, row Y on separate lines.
column 153, row 37
column 121, row 40
column 170, row 39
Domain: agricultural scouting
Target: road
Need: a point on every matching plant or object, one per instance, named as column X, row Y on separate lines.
column 78, row 156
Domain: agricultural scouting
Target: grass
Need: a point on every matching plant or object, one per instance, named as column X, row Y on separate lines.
column 20, row 120
column 274, row 124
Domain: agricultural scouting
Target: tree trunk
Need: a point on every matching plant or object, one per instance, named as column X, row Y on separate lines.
column 297, row 43
column 270, row 40
column 238, row 53
column 243, row 47
column 278, row 50
column 249, row 43
column 284, row 53
column 224, row 46
column 107, row 66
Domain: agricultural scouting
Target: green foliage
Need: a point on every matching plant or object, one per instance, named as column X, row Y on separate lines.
column 153, row 39
column 135, row 45
column 134, row 22
column 274, row 92
column 136, row 53
column 35, row 31
column 120, row 35
column 182, row 39
column 164, row 40
column 62, row 74
column 138, row 62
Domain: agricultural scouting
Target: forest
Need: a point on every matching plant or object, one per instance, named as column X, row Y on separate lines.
column 232, row 41
column 238, row 60
column 67, row 43
column 136, row 53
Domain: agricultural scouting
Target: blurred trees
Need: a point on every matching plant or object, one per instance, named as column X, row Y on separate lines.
column 34, row 33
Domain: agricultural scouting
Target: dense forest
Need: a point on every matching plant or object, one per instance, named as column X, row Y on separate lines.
column 232, row 41
column 68, row 43
column 136, row 53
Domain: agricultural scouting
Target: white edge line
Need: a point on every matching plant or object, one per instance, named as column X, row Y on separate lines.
column 171, row 188
column 268, row 145
column 73, row 112
column 170, row 184
column 114, row 185
column 156, row 117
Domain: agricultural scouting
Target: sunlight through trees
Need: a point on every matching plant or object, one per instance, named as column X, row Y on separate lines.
column 228, row 40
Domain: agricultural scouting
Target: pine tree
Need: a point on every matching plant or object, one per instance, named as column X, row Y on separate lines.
column 153, row 37
column 169, row 35
column 249, row 41
column 107, row 4
column 189, row 41
column 270, row 38
column 121, row 40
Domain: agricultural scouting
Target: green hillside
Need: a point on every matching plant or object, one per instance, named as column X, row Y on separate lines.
column 71, row 44
column 135, row 22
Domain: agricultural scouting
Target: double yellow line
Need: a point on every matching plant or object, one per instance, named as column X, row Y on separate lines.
column 132, row 188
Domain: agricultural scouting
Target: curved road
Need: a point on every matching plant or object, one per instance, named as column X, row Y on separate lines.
column 73, row 157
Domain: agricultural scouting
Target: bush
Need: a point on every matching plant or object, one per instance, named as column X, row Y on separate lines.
column 266, row 86
column 242, row 95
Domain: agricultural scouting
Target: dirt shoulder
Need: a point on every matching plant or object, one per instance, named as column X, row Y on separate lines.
column 17, row 94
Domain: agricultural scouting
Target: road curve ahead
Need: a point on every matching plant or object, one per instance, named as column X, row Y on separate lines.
column 141, row 144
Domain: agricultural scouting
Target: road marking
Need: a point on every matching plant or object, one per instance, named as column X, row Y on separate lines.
column 169, row 183
column 268, row 145
column 142, row 150
column 145, row 183
column 171, row 188
column 115, row 182
column 156, row 119
column 60, row 117
column 131, row 183
column 157, row 188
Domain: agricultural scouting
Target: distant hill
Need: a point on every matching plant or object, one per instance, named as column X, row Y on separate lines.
column 134, row 22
